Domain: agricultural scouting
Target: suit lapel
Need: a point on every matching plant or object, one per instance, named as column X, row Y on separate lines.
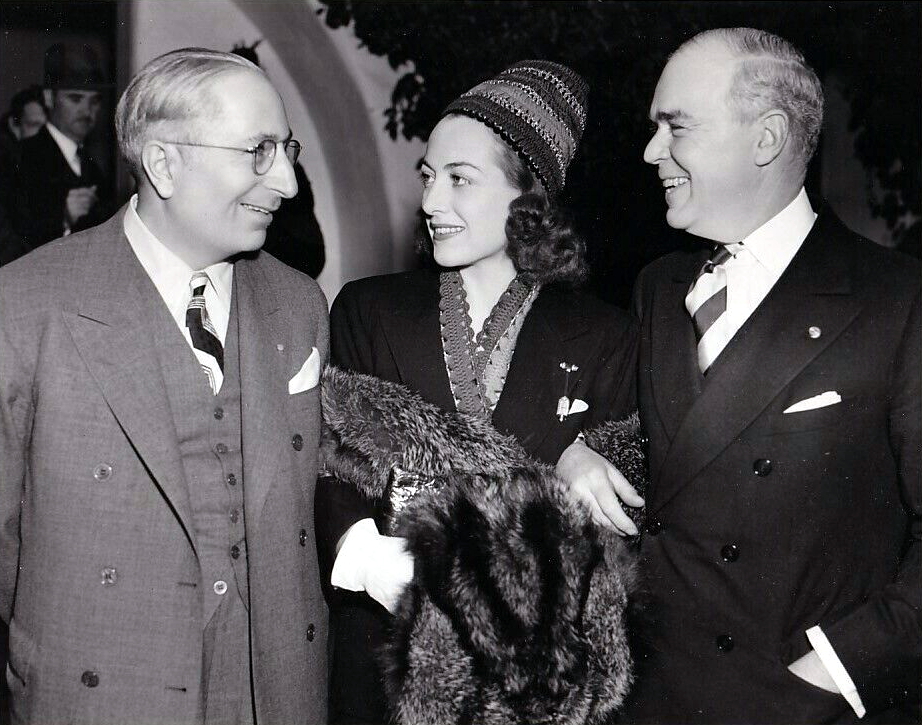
column 263, row 391
column 535, row 381
column 677, row 380
column 110, row 328
column 767, row 353
column 413, row 334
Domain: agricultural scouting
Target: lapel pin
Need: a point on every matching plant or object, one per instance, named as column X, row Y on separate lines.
column 814, row 332
column 563, row 402
column 280, row 347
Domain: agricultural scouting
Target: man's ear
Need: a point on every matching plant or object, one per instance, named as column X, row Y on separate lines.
column 774, row 130
column 160, row 163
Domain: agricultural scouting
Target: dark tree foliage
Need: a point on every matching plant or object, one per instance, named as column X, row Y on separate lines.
column 620, row 48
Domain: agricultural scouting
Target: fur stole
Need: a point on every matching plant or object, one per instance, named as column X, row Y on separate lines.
column 516, row 612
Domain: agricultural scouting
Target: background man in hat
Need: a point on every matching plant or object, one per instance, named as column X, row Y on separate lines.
column 159, row 424
column 56, row 188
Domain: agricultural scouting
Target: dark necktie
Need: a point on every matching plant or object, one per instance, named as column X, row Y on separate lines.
column 204, row 337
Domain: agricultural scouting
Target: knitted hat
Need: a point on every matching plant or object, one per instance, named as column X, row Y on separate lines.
column 539, row 109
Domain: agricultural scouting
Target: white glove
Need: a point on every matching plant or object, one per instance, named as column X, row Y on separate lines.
column 370, row 562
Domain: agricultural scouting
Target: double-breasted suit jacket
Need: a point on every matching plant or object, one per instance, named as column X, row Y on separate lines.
column 762, row 523
column 389, row 327
column 38, row 188
column 92, row 480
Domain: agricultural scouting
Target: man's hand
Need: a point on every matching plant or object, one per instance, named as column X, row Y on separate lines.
column 595, row 482
column 367, row 561
column 79, row 202
column 810, row 668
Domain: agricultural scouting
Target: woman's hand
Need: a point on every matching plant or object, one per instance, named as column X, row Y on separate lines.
column 367, row 561
column 593, row 481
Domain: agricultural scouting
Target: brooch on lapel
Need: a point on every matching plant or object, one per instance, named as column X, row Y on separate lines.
column 564, row 406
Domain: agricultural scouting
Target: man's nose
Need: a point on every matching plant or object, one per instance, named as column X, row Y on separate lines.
column 281, row 175
column 657, row 148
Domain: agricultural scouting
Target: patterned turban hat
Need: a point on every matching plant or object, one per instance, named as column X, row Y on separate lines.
column 538, row 108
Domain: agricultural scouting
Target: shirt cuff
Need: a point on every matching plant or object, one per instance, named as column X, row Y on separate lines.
column 836, row 669
column 349, row 567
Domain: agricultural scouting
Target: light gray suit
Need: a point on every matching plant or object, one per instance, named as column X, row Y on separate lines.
column 91, row 478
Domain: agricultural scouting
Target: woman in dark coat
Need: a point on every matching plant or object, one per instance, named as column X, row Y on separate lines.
column 498, row 332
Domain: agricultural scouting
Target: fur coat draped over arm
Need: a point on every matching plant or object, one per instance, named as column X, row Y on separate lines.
column 517, row 608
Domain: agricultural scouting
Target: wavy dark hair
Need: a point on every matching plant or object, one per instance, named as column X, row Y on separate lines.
column 541, row 240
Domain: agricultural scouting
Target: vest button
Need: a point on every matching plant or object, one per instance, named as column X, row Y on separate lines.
column 730, row 552
column 653, row 527
column 220, row 448
column 235, row 552
column 297, row 442
column 302, row 537
column 109, row 576
column 310, row 632
column 89, row 678
column 231, row 479
column 218, row 413
column 234, row 515
column 762, row 467
column 725, row 643
column 102, row 472
column 220, row 587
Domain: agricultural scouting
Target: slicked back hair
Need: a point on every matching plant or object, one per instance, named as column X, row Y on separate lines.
column 171, row 89
column 772, row 74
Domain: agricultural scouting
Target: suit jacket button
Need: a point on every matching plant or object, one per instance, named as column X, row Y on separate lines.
column 730, row 552
column 725, row 643
column 302, row 537
column 297, row 442
column 89, row 678
column 310, row 632
column 235, row 552
column 102, row 472
column 109, row 576
column 762, row 467
column 653, row 527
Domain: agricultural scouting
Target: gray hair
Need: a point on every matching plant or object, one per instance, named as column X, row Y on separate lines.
column 169, row 89
column 772, row 74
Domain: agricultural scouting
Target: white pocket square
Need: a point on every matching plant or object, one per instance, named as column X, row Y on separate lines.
column 578, row 406
column 830, row 397
column 308, row 376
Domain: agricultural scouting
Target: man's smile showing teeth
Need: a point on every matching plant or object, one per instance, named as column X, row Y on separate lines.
column 673, row 182
column 260, row 209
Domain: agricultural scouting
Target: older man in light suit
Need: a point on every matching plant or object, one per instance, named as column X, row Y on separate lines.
column 779, row 385
column 159, row 422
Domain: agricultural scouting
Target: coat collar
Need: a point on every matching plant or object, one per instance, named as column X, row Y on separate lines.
column 814, row 291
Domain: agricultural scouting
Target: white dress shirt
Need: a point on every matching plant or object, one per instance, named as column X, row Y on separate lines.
column 68, row 148
column 171, row 277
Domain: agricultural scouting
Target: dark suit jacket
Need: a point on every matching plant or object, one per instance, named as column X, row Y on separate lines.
column 821, row 508
column 389, row 327
column 91, row 476
column 38, row 189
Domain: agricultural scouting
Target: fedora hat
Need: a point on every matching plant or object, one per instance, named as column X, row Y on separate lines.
column 74, row 67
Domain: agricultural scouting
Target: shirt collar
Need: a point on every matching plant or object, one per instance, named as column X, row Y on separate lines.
column 169, row 273
column 775, row 243
column 67, row 145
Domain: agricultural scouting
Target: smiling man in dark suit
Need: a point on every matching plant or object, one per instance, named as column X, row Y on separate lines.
column 779, row 385
column 159, row 423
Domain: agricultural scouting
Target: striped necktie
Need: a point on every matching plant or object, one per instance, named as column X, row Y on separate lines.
column 205, row 340
column 706, row 302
